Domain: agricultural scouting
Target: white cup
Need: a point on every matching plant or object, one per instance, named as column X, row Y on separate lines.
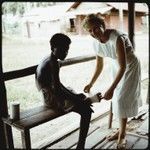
column 15, row 110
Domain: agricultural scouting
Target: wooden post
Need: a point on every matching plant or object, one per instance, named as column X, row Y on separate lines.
column 4, row 142
column 28, row 29
column 3, row 113
column 3, row 108
column 110, row 117
column 26, row 141
column 147, row 98
column 131, row 20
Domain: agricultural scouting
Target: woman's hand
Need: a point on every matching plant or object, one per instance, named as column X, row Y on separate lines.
column 108, row 94
column 87, row 88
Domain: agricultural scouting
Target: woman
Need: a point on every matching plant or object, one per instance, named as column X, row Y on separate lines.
column 125, row 88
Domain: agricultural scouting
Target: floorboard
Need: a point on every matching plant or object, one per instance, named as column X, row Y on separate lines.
column 98, row 132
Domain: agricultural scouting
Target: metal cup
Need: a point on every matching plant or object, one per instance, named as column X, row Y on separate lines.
column 15, row 111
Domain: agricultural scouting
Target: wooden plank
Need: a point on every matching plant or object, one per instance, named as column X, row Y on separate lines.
column 108, row 145
column 19, row 73
column 141, row 144
column 79, row 59
column 105, row 143
column 71, row 139
column 131, row 140
column 26, row 114
column 33, row 111
column 31, row 70
column 34, row 120
column 143, row 129
column 71, row 126
column 52, row 138
column 37, row 119
column 97, row 137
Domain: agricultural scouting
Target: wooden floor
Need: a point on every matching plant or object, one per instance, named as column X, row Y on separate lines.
column 63, row 132
column 137, row 134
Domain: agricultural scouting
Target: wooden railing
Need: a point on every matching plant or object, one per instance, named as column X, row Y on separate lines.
column 31, row 70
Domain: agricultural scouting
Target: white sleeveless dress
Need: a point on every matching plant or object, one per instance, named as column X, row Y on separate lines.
column 127, row 97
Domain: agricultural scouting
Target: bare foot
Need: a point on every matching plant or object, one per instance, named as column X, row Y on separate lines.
column 121, row 144
column 113, row 136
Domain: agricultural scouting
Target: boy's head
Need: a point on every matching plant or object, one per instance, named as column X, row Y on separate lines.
column 60, row 45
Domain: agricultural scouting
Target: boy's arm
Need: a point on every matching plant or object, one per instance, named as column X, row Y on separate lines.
column 55, row 81
column 59, row 89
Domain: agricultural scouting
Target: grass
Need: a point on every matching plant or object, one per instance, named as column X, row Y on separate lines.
column 19, row 53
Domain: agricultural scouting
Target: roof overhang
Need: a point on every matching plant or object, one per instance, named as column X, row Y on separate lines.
column 76, row 12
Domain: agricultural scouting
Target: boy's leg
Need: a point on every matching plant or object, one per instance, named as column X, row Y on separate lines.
column 84, row 126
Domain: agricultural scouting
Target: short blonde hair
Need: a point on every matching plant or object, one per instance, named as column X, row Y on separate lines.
column 93, row 19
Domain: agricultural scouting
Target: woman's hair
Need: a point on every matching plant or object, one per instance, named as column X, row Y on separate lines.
column 93, row 19
column 59, row 39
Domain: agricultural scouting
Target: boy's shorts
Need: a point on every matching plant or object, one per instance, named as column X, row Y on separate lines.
column 63, row 105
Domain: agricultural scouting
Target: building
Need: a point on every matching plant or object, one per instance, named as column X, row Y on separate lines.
column 110, row 11
column 43, row 22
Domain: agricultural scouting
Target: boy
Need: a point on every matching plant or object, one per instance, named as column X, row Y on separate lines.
column 56, row 95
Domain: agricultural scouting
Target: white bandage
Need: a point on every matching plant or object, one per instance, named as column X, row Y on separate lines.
column 95, row 98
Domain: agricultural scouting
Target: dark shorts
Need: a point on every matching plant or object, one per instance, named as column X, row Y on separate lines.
column 53, row 102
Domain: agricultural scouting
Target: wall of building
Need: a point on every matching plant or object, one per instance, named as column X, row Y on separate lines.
column 112, row 21
column 41, row 29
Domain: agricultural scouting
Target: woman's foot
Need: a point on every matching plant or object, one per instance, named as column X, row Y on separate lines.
column 113, row 136
column 121, row 144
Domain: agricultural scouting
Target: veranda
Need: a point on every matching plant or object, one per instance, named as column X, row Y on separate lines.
column 97, row 134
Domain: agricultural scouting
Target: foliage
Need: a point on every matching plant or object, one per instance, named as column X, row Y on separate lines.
column 20, row 7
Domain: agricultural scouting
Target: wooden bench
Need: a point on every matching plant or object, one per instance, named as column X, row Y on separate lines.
column 29, row 119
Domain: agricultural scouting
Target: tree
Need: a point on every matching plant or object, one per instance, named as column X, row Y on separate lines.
column 20, row 7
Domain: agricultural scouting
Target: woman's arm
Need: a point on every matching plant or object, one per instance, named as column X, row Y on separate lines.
column 121, row 56
column 98, row 70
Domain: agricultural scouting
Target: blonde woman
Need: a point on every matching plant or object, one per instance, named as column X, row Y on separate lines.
column 124, row 91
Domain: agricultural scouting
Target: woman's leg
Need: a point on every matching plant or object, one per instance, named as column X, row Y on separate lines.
column 122, row 131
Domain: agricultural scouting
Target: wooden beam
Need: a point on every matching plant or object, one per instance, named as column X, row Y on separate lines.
column 75, row 60
column 3, row 107
column 31, row 70
column 19, row 73
column 131, row 20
